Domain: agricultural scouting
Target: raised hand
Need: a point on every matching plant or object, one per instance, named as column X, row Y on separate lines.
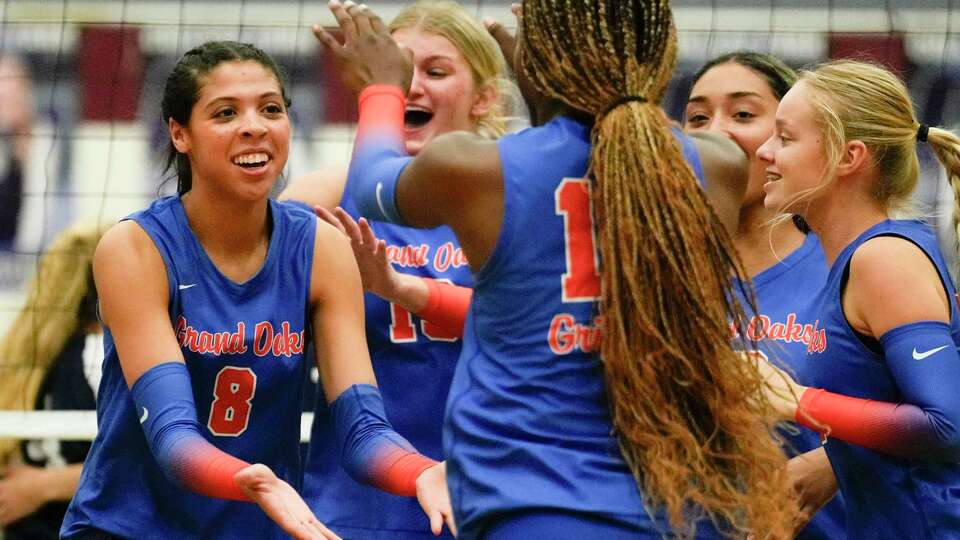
column 503, row 37
column 368, row 54
column 434, row 498
column 377, row 274
column 532, row 97
column 282, row 503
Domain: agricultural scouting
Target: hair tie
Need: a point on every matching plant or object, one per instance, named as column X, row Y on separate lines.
column 618, row 102
column 922, row 132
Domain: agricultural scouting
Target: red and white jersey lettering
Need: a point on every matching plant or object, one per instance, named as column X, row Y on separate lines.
column 265, row 341
column 789, row 330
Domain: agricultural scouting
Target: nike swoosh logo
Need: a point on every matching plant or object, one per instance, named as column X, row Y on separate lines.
column 146, row 413
column 380, row 200
column 185, row 287
column 922, row 355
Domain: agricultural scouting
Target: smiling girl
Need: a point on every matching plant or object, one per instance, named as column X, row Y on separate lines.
column 208, row 299
column 737, row 94
column 884, row 387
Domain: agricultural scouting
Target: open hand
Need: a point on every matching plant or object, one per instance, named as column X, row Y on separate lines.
column 532, row 97
column 281, row 503
column 378, row 276
column 368, row 54
column 21, row 492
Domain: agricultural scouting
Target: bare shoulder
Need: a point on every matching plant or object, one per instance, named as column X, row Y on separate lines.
column 720, row 154
column 459, row 154
column 128, row 269
column 725, row 167
column 889, row 260
column 126, row 247
column 322, row 187
column 334, row 264
column 892, row 282
column 329, row 238
column 455, row 180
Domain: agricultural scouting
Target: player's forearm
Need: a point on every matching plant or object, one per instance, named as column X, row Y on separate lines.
column 924, row 363
column 813, row 480
column 409, row 292
column 164, row 399
column 379, row 154
column 898, row 429
column 439, row 302
column 446, row 305
column 370, row 450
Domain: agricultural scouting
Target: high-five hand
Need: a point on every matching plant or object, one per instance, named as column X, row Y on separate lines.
column 368, row 54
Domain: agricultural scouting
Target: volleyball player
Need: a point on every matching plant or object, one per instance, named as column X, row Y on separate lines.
column 206, row 297
column 884, row 373
column 737, row 94
column 531, row 432
column 458, row 72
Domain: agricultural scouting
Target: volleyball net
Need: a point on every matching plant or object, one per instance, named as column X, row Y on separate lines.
column 94, row 73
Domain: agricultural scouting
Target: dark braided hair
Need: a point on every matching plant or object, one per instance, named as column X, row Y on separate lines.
column 183, row 89
column 693, row 424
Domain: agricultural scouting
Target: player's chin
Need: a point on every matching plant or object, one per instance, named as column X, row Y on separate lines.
column 257, row 190
column 772, row 201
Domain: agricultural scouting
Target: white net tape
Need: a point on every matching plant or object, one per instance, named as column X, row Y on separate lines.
column 74, row 425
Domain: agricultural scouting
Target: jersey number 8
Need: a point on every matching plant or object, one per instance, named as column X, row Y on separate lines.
column 232, row 393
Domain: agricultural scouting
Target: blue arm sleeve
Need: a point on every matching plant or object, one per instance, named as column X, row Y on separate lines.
column 370, row 450
column 164, row 400
column 924, row 361
column 373, row 174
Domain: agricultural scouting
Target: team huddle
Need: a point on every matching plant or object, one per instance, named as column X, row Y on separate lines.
column 601, row 326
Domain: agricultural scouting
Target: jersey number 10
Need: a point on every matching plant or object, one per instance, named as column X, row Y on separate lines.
column 581, row 282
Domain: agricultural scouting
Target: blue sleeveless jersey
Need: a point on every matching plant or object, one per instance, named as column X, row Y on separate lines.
column 414, row 362
column 527, row 422
column 226, row 331
column 885, row 496
column 785, row 327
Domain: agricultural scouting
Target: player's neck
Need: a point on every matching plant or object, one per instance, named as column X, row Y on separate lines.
column 227, row 230
column 760, row 243
column 838, row 222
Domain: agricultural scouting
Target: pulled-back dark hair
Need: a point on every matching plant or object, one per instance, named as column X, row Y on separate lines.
column 779, row 76
column 182, row 90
